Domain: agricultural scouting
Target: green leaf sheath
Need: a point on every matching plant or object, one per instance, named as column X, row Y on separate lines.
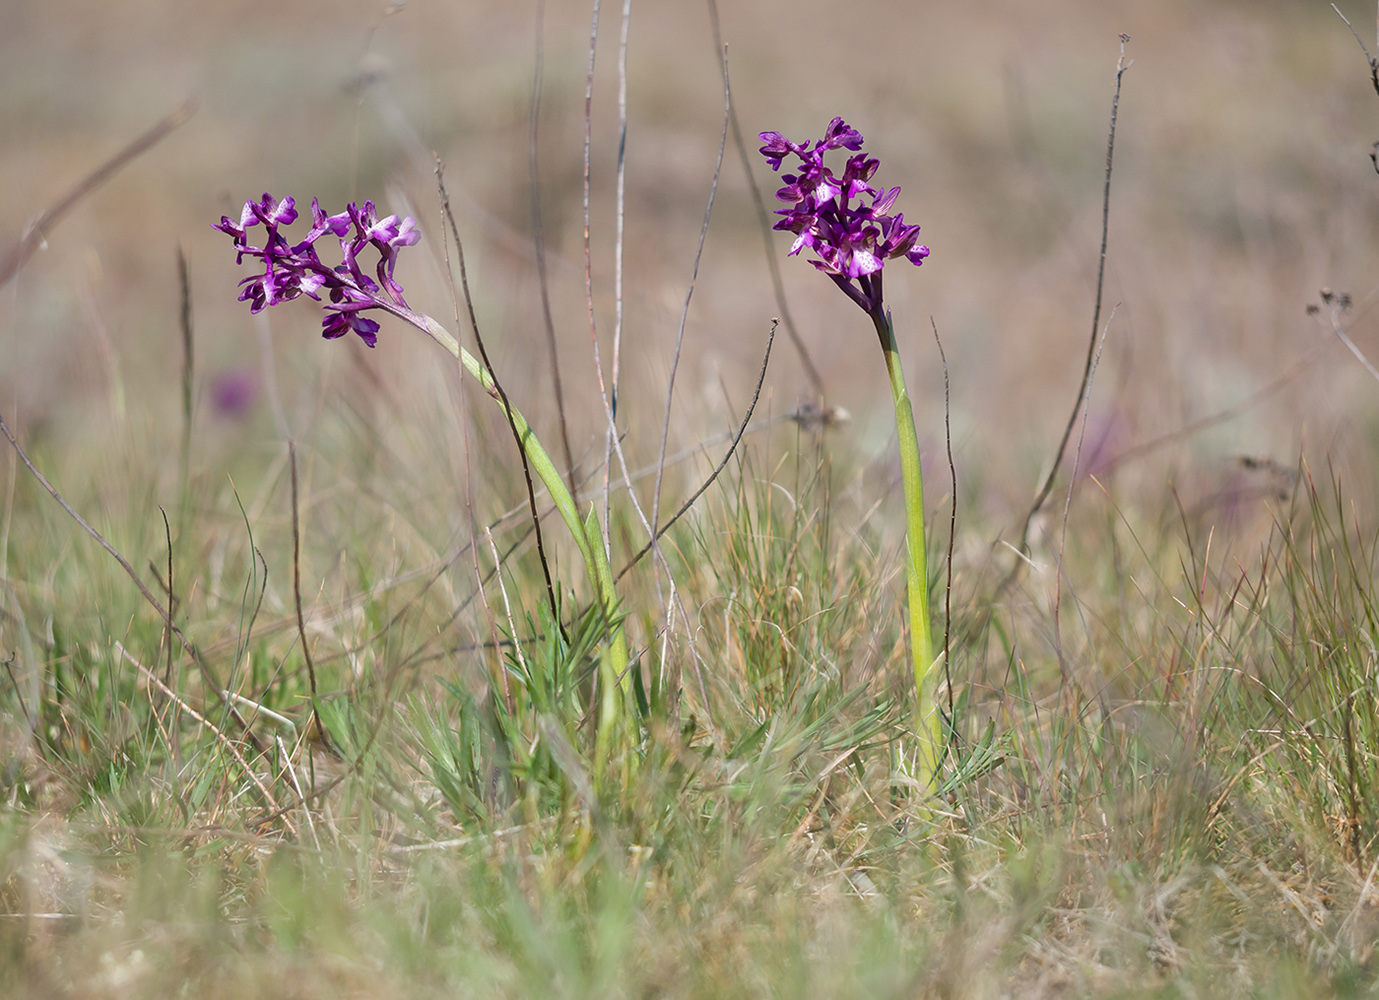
column 928, row 722
column 615, row 677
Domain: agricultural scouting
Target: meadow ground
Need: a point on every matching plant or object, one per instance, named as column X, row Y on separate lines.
column 1163, row 778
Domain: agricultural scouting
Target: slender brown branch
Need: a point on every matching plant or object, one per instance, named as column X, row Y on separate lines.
column 184, row 283
column 40, row 228
column 163, row 613
column 1047, row 488
column 225, row 741
column 746, row 417
column 1373, row 62
column 764, row 221
column 539, row 246
column 172, row 594
column 502, row 393
column 689, row 295
column 604, row 396
column 297, row 595
column 610, row 438
column 952, row 532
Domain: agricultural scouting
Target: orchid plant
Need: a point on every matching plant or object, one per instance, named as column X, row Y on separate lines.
column 291, row 270
column 848, row 225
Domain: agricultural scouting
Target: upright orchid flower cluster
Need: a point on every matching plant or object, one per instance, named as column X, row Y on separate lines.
column 291, row 270
column 853, row 238
column 828, row 215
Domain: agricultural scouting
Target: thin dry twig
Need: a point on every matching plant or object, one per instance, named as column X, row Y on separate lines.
column 952, row 528
column 498, row 386
column 184, row 284
column 39, row 229
column 608, row 392
column 1047, row 488
column 604, row 396
column 619, row 245
column 764, row 220
column 220, row 736
column 507, row 605
column 761, row 378
column 1337, row 306
column 172, row 594
column 689, row 294
column 619, row 241
column 297, row 787
column 297, row 596
column 1373, row 62
column 539, row 246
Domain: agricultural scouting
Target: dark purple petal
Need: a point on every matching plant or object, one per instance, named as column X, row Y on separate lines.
column 321, row 223
column 776, row 147
column 884, row 200
column 230, row 229
column 253, row 293
column 273, row 213
column 337, row 324
column 839, row 134
column 861, row 167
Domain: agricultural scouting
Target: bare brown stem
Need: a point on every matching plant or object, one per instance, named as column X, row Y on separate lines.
column 746, row 418
column 1047, row 487
column 40, row 228
column 297, row 595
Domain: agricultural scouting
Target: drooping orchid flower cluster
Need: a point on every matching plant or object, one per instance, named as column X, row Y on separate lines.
column 291, row 270
column 828, row 214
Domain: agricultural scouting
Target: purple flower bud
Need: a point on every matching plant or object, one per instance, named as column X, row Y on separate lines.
column 338, row 324
column 233, row 392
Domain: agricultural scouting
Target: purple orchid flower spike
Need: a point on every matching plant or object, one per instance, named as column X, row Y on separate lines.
column 847, row 224
column 830, row 215
column 293, row 270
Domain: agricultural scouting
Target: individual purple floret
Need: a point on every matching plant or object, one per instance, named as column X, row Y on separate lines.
column 828, row 214
column 290, row 270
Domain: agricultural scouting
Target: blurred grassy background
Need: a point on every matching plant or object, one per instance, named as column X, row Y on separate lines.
column 1242, row 186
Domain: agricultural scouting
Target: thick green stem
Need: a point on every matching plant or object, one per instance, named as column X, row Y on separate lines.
column 928, row 722
column 615, row 679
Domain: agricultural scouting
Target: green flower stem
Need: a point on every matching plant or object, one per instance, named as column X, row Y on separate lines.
column 929, row 724
column 615, row 677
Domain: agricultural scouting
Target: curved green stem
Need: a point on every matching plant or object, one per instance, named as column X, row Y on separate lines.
column 615, row 678
column 929, row 724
